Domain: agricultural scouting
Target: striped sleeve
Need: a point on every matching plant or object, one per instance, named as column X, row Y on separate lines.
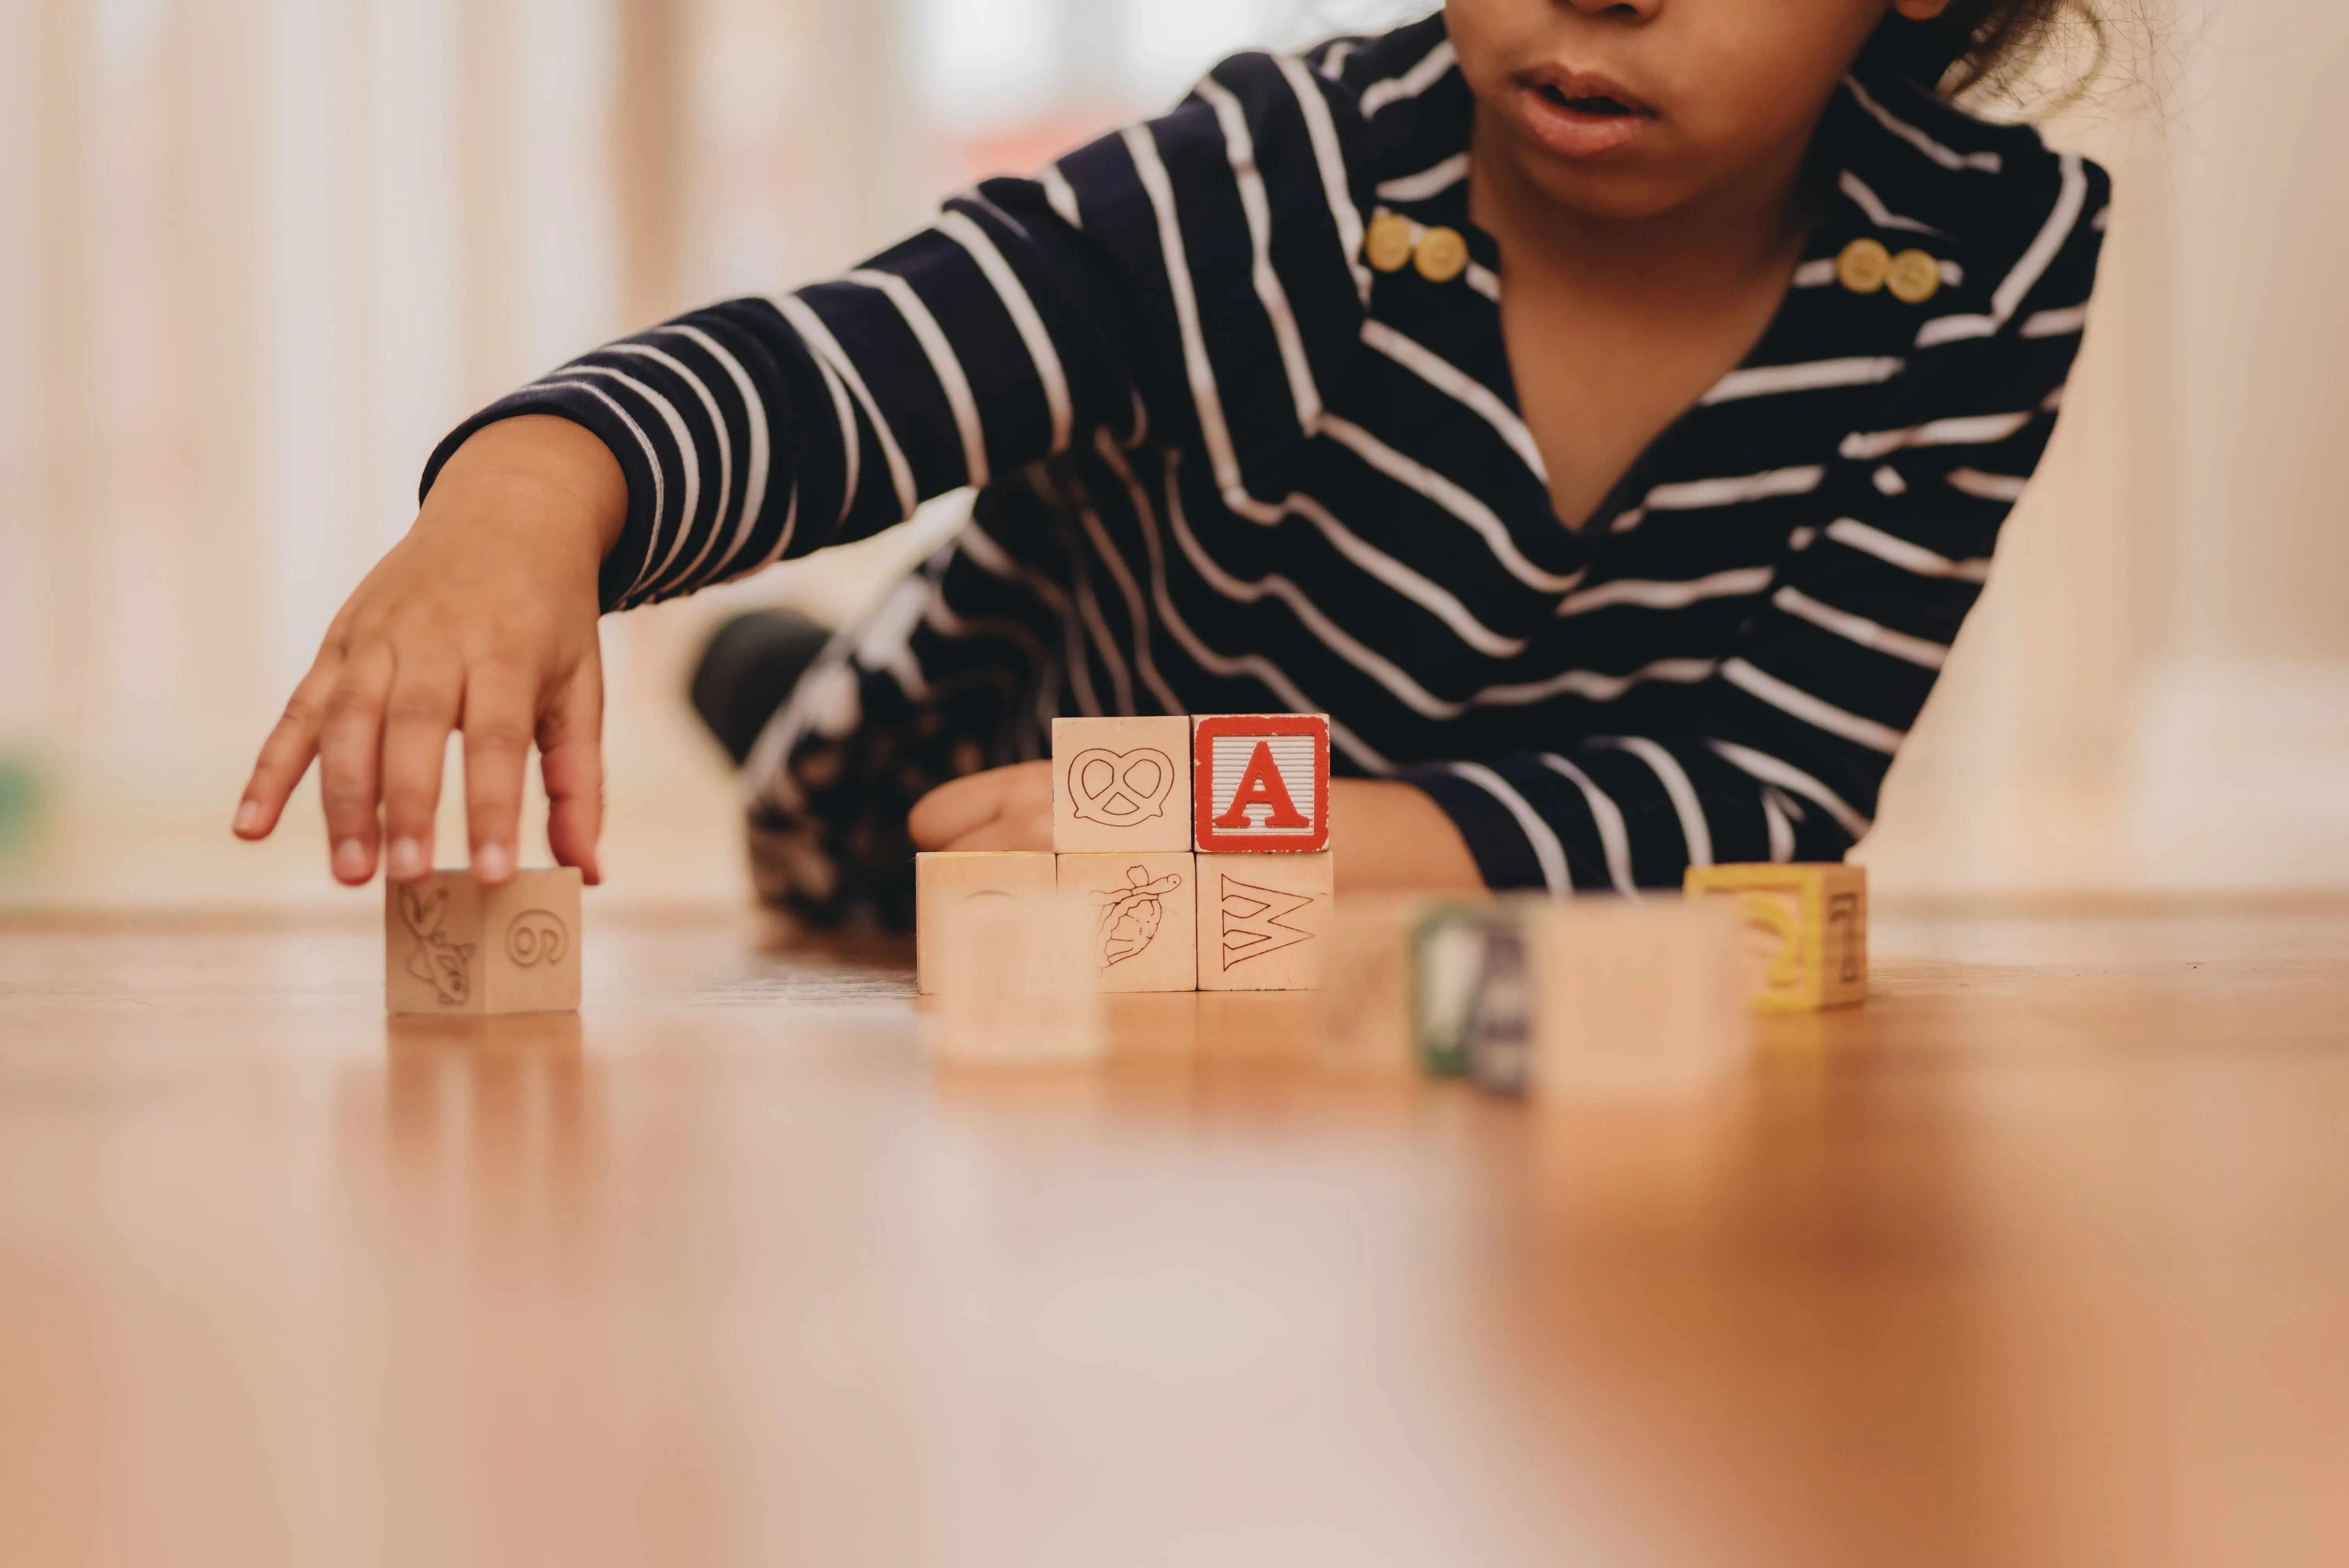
column 760, row 430
column 1787, row 745
column 1035, row 314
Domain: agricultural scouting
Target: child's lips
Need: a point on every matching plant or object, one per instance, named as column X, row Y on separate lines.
column 1580, row 114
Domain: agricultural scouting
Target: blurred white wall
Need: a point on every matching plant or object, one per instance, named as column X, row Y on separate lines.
column 2241, row 767
column 260, row 254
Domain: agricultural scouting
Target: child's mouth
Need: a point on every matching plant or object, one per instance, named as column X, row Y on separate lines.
column 1594, row 103
column 1579, row 114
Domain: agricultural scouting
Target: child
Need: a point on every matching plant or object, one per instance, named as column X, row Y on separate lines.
column 1604, row 412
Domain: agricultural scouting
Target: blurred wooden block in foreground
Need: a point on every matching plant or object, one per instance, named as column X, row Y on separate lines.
column 1014, row 981
column 942, row 882
column 1367, row 1020
column 1807, row 930
column 1620, row 998
column 454, row 947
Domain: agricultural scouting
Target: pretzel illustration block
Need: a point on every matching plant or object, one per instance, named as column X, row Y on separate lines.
column 453, row 946
column 945, row 881
column 1144, row 918
column 1260, row 782
column 1120, row 785
column 1264, row 921
column 1806, row 929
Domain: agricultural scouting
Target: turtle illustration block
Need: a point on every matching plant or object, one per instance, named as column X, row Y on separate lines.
column 1262, row 921
column 1120, row 785
column 942, row 881
column 1807, row 930
column 453, row 946
column 1260, row 782
column 1146, row 918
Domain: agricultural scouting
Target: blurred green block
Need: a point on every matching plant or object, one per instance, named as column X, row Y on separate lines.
column 21, row 799
column 1455, row 954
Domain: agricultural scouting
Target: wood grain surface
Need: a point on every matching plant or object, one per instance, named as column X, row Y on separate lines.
column 2042, row 1256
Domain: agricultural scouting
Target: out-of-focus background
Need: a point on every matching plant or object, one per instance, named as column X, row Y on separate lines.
column 258, row 254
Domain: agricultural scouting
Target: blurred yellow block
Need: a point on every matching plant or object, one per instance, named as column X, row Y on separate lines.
column 1806, row 929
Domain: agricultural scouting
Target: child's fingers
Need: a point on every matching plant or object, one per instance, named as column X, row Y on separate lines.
column 350, row 748
column 1004, row 833
column 285, row 755
column 571, row 759
column 420, row 713
column 955, row 810
column 500, row 715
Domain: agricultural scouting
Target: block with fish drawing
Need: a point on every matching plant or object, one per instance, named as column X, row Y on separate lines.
column 1120, row 785
column 1145, row 910
column 1260, row 783
column 453, row 946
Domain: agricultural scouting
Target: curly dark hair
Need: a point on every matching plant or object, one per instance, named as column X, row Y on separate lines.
column 1989, row 46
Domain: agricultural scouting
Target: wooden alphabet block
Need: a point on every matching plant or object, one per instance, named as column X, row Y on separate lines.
column 1807, row 930
column 1634, row 999
column 1261, row 782
column 1010, row 969
column 453, row 946
column 1120, row 785
column 1262, row 919
column 942, row 882
column 1146, row 918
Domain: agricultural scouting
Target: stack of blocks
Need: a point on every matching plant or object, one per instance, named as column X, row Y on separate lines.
column 1199, row 845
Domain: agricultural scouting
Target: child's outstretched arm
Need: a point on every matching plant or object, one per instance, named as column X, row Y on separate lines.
column 482, row 619
column 701, row 450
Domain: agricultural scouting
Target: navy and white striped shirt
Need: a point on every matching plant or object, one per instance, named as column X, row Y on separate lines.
column 1225, row 466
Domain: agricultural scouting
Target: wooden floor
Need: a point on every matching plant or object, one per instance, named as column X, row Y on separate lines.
column 2042, row 1257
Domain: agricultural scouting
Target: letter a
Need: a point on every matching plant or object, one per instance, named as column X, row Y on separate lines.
column 1260, row 785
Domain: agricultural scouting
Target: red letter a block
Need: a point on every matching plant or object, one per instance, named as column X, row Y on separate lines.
column 1261, row 782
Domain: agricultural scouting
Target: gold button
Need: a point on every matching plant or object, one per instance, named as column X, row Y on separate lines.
column 1914, row 277
column 1388, row 244
column 1443, row 254
column 1862, row 266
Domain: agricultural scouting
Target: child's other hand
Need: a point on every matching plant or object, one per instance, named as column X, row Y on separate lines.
column 482, row 619
column 1001, row 809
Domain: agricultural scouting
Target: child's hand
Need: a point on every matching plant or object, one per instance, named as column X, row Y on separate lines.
column 1393, row 837
column 482, row 619
column 1002, row 809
